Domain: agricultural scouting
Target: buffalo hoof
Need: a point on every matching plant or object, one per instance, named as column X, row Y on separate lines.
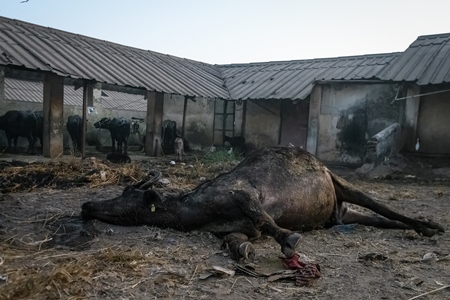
column 292, row 241
column 427, row 232
column 437, row 226
column 247, row 251
column 429, row 229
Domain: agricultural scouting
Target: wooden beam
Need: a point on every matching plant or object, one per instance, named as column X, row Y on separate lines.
column 183, row 125
column 124, row 89
column 53, row 116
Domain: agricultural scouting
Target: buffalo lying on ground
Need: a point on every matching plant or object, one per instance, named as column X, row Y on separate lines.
column 273, row 191
column 120, row 132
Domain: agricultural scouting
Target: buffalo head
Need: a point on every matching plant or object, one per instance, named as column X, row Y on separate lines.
column 103, row 123
column 132, row 207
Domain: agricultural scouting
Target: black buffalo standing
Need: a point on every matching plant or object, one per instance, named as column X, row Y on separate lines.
column 120, row 132
column 75, row 128
column 139, row 128
column 17, row 123
column 237, row 143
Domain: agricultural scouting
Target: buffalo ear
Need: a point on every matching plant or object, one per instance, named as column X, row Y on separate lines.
column 152, row 197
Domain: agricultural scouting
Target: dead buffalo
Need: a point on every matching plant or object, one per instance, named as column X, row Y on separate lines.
column 272, row 191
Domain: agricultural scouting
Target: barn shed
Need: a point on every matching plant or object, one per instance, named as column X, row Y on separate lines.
column 424, row 71
column 330, row 106
column 333, row 107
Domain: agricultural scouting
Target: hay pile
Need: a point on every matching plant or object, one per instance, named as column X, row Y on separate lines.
column 53, row 275
column 19, row 176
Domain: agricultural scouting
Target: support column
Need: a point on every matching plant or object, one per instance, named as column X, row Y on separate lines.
column 411, row 117
column 53, row 115
column 155, row 105
column 88, row 100
column 315, row 102
column 2, row 84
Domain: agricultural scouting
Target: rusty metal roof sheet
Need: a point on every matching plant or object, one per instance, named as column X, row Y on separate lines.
column 32, row 91
column 67, row 54
column 426, row 61
column 295, row 79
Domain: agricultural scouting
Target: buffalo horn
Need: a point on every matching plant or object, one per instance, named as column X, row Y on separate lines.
column 156, row 175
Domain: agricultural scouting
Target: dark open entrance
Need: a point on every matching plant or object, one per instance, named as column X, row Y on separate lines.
column 294, row 123
column 223, row 120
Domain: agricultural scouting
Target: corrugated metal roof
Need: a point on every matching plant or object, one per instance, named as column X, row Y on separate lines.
column 295, row 79
column 426, row 61
column 39, row 48
column 122, row 101
column 32, row 91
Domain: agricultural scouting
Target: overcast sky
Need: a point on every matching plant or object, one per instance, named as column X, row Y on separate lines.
column 242, row 31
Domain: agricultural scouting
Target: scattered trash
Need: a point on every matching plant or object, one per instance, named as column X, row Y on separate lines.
column 172, row 162
column 202, row 179
column 164, row 181
column 429, row 258
column 305, row 272
column 216, row 271
column 410, row 176
column 103, row 175
column 3, row 279
column 346, row 229
column 373, row 257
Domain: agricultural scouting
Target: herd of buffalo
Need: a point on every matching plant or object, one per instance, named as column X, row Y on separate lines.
column 29, row 124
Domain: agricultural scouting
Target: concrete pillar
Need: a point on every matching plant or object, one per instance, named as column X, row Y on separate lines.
column 2, row 84
column 155, row 105
column 411, row 117
column 53, row 115
column 315, row 103
column 239, row 118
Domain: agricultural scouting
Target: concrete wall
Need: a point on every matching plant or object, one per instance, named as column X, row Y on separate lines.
column 348, row 115
column 433, row 121
column 199, row 119
column 262, row 125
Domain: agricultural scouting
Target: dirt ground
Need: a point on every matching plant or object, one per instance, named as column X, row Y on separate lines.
column 47, row 252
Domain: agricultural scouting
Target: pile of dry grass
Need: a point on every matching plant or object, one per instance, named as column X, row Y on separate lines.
column 54, row 275
column 91, row 172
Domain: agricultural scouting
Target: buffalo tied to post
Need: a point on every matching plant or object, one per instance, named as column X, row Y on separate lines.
column 277, row 191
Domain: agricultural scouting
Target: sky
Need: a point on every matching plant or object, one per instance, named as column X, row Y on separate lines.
column 243, row 31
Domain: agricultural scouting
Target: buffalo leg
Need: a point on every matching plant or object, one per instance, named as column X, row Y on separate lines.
column 125, row 146
column 15, row 144
column 252, row 209
column 30, row 139
column 347, row 193
column 113, row 142
column 351, row 217
column 239, row 246
column 9, row 138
